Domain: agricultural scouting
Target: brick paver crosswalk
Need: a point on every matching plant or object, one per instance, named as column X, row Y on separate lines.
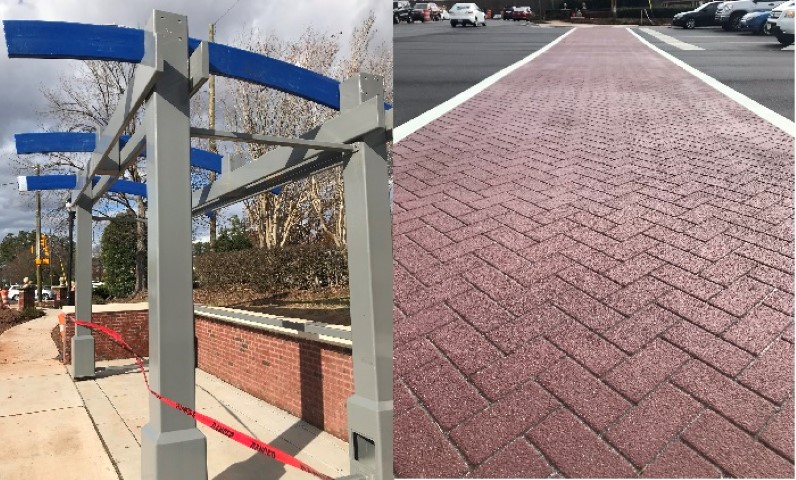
column 594, row 277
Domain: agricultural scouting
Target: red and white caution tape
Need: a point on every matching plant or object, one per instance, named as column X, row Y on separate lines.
column 219, row 427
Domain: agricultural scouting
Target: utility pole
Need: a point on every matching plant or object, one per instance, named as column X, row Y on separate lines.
column 211, row 118
column 38, row 238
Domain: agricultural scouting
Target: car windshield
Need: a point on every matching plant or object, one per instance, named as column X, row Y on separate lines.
column 421, row 5
column 462, row 6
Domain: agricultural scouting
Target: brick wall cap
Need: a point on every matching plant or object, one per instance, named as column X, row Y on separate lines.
column 112, row 307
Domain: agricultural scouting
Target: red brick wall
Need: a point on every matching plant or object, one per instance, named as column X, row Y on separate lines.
column 132, row 325
column 311, row 380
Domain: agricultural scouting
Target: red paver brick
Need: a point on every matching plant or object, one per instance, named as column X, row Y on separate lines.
column 440, row 379
column 519, row 459
column 681, row 258
column 699, row 312
column 403, row 399
column 429, row 238
column 587, row 310
column 418, row 437
column 647, row 428
column 590, row 258
column 728, row 269
column 767, row 257
column 413, row 355
column 742, row 295
column 736, row 452
column 640, row 329
column 589, row 281
column 758, row 329
column 441, row 221
column 502, row 422
column 514, row 335
column 434, row 295
column 781, row 301
column 711, row 349
column 779, row 432
column 687, row 281
column 542, row 269
column 576, row 450
column 637, row 295
column 680, row 461
column 591, row 399
column 463, row 248
column 414, row 258
column 418, row 325
column 717, row 247
column 546, row 248
column 477, row 228
column 641, row 373
column 775, row 278
column 502, row 258
column 633, row 269
column 516, row 369
column 467, row 348
column 630, row 248
column 772, row 374
column 585, row 346
column 524, row 300
column 724, row 395
column 510, row 238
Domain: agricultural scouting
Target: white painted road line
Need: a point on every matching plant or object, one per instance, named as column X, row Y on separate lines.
column 402, row 131
column 788, row 48
column 766, row 114
column 670, row 40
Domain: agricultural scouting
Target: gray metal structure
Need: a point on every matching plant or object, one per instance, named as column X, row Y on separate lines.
column 172, row 446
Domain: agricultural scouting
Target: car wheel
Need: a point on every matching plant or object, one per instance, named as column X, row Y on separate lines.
column 45, row 297
column 690, row 23
column 395, row 20
column 453, row 24
column 14, row 298
column 766, row 29
column 735, row 21
column 785, row 39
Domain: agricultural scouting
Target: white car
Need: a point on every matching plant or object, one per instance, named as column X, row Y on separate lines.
column 781, row 22
column 13, row 293
column 445, row 15
column 467, row 14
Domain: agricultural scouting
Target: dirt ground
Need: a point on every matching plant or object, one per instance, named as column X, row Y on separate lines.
column 10, row 318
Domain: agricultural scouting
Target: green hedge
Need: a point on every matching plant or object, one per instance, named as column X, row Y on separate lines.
column 300, row 267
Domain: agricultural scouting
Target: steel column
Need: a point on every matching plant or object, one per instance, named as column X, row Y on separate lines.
column 369, row 237
column 83, row 341
column 172, row 447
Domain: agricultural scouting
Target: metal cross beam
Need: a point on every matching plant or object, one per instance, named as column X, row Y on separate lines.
column 269, row 140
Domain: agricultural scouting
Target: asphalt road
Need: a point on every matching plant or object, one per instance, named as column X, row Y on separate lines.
column 434, row 62
column 753, row 65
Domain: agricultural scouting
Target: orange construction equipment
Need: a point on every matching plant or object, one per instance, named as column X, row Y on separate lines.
column 62, row 324
column 4, row 298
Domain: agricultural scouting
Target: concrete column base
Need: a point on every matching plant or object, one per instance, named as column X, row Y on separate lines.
column 371, row 456
column 168, row 455
column 82, row 357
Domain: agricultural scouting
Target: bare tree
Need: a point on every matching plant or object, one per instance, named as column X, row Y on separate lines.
column 84, row 101
column 311, row 209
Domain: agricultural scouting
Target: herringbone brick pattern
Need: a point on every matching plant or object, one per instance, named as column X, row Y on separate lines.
column 594, row 277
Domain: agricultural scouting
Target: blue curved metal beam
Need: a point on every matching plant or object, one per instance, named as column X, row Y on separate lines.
column 33, row 183
column 51, row 142
column 69, row 182
column 41, row 39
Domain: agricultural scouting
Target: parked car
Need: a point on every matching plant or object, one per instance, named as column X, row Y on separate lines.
column 467, row 14
column 423, row 10
column 781, row 22
column 733, row 11
column 756, row 23
column 522, row 13
column 13, row 293
column 401, row 11
column 507, row 14
column 445, row 15
column 704, row 16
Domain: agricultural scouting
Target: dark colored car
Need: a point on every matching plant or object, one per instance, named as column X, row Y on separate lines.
column 422, row 10
column 704, row 16
column 401, row 11
column 522, row 13
column 756, row 22
column 507, row 14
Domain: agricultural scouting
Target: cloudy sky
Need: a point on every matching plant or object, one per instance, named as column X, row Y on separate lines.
column 22, row 79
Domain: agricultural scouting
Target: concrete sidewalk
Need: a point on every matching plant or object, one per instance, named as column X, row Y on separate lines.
column 594, row 276
column 52, row 427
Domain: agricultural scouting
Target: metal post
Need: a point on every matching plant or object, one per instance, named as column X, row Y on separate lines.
column 369, row 238
column 171, row 445
column 211, row 123
column 70, row 297
column 38, row 239
column 83, row 341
